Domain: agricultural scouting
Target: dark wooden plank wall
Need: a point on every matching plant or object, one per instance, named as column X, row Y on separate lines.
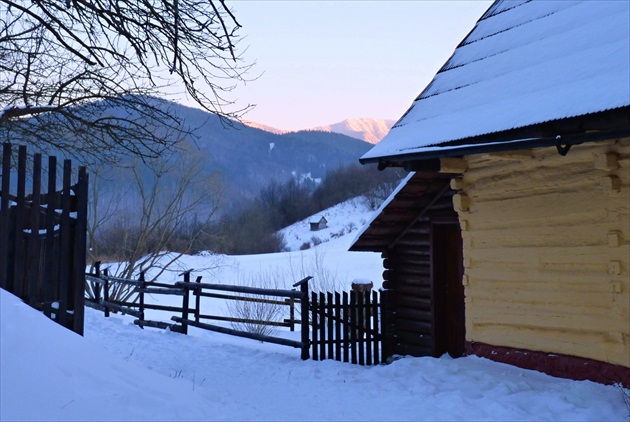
column 409, row 308
column 43, row 237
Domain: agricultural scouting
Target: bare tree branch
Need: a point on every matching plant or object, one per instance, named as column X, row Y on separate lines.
column 84, row 76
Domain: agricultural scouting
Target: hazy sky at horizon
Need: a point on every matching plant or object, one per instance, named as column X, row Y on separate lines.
column 325, row 61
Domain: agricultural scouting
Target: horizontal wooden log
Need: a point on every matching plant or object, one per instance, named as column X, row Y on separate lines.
column 415, row 252
column 159, row 324
column 414, row 339
column 94, row 279
column 414, row 239
column 122, row 309
column 162, row 291
column 413, row 272
column 409, row 325
column 244, row 289
column 420, row 288
column 420, row 228
column 414, row 314
column 175, row 309
column 404, row 301
column 412, row 350
column 245, row 320
column 94, row 305
column 158, row 284
column 400, row 261
column 120, row 280
column 237, row 333
column 246, row 298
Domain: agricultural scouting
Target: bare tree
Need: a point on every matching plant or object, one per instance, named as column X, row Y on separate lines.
column 83, row 76
column 170, row 203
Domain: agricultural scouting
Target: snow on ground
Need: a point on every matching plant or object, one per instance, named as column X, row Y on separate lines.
column 120, row 372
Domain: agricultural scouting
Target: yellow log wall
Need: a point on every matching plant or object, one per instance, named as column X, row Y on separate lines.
column 547, row 249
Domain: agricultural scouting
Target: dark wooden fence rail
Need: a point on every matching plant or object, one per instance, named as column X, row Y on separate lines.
column 43, row 237
column 347, row 327
column 102, row 283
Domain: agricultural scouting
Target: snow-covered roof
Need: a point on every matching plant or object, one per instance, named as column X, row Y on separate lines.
column 524, row 63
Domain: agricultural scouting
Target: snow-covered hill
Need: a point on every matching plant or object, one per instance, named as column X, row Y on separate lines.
column 343, row 219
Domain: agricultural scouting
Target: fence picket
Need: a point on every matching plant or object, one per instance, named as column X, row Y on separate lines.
column 338, row 339
column 331, row 313
column 346, row 328
column 18, row 270
column 368, row 327
column 65, row 238
column 5, row 280
column 361, row 327
column 322, row 326
column 49, row 279
column 315, row 330
column 77, row 298
column 375, row 327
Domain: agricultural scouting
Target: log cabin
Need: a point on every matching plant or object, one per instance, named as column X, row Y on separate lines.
column 510, row 238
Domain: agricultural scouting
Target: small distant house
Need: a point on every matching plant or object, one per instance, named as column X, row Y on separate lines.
column 510, row 238
column 318, row 223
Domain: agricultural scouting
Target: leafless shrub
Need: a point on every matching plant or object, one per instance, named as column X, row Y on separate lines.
column 257, row 309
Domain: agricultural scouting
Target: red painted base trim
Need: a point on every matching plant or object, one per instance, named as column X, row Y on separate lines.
column 562, row 366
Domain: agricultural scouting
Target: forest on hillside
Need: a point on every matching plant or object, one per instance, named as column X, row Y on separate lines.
column 187, row 224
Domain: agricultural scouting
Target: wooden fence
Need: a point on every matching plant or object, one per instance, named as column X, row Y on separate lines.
column 347, row 327
column 190, row 314
column 43, row 237
column 344, row 326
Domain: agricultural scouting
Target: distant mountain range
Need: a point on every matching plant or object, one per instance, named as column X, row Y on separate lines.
column 248, row 158
column 367, row 129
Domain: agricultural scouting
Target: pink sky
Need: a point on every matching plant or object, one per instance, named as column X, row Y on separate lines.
column 325, row 61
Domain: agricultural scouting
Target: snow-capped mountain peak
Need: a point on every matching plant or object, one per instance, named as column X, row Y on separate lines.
column 367, row 129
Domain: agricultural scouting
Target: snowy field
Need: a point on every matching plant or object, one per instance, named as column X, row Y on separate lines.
column 120, row 372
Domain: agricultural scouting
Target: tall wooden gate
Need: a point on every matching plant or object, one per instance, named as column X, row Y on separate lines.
column 43, row 237
column 348, row 327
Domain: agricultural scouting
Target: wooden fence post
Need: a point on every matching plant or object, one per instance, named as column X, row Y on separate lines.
column 80, row 251
column 33, row 225
column 330, row 325
column 185, row 301
column 20, row 222
column 141, row 286
column 97, row 292
column 198, row 300
column 304, row 310
column 106, row 291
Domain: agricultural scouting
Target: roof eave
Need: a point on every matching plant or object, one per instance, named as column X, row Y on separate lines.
column 561, row 142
